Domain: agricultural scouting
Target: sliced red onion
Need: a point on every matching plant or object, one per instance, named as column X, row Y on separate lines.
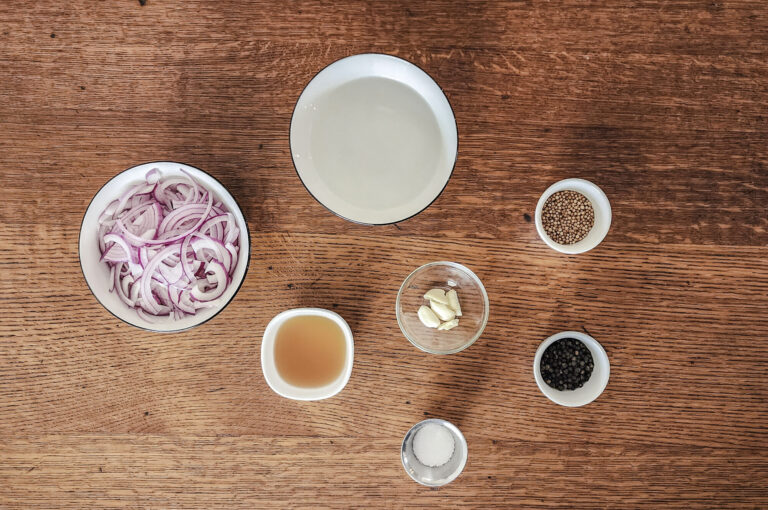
column 139, row 189
column 135, row 292
column 171, row 274
column 184, row 213
column 146, row 279
column 214, row 225
column 202, row 290
column 232, row 249
column 125, row 284
column 109, row 211
column 146, row 316
column 185, row 265
column 202, row 242
column 185, row 303
column 112, row 278
column 232, row 235
column 120, row 245
column 157, row 236
column 195, row 187
column 143, row 256
column 119, row 288
column 143, row 240
column 115, row 254
column 153, row 176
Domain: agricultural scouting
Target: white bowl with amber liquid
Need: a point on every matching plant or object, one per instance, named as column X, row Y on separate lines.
column 290, row 368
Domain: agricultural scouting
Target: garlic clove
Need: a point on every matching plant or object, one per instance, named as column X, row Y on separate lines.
column 428, row 317
column 445, row 326
column 437, row 295
column 445, row 312
column 453, row 301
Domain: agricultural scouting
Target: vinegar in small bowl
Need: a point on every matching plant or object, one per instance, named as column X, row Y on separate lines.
column 307, row 353
column 310, row 351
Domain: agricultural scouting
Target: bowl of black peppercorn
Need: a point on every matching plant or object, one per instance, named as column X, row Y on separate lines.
column 571, row 368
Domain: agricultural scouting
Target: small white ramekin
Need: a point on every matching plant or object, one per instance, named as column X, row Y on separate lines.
column 600, row 205
column 269, row 368
column 592, row 388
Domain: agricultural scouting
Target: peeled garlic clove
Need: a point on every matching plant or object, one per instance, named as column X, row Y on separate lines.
column 436, row 295
column 445, row 312
column 453, row 301
column 448, row 325
column 428, row 317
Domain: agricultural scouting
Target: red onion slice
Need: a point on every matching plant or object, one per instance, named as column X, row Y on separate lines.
column 112, row 278
column 170, row 245
column 142, row 240
column 147, row 317
column 146, row 279
column 185, row 303
column 216, row 269
column 153, row 176
column 203, row 242
column 119, row 244
column 171, row 274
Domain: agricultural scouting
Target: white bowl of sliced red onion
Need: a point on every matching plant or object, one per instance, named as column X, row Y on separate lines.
column 164, row 246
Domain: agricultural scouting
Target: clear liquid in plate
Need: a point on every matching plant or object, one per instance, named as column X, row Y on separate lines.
column 375, row 143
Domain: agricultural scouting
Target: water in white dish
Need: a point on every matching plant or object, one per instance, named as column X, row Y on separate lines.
column 375, row 143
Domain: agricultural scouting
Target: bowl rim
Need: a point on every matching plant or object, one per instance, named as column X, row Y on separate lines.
column 595, row 348
column 456, row 432
column 139, row 326
column 486, row 306
column 594, row 193
column 333, row 388
column 296, row 168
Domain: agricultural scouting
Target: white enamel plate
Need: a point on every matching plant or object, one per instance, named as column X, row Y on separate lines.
column 373, row 139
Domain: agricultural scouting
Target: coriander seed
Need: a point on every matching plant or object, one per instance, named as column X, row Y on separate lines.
column 567, row 217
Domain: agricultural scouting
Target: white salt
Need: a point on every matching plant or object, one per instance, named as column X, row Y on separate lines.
column 433, row 445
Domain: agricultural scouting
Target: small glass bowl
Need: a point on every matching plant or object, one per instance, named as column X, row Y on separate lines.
column 440, row 475
column 472, row 297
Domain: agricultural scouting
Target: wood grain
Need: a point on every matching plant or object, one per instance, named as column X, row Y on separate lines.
column 662, row 104
column 246, row 472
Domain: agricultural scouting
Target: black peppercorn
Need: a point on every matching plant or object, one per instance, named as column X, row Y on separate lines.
column 566, row 364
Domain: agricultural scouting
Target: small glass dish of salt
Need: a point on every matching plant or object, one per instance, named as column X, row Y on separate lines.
column 434, row 452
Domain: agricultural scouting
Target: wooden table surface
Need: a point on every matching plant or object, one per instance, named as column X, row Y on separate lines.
column 664, row 104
